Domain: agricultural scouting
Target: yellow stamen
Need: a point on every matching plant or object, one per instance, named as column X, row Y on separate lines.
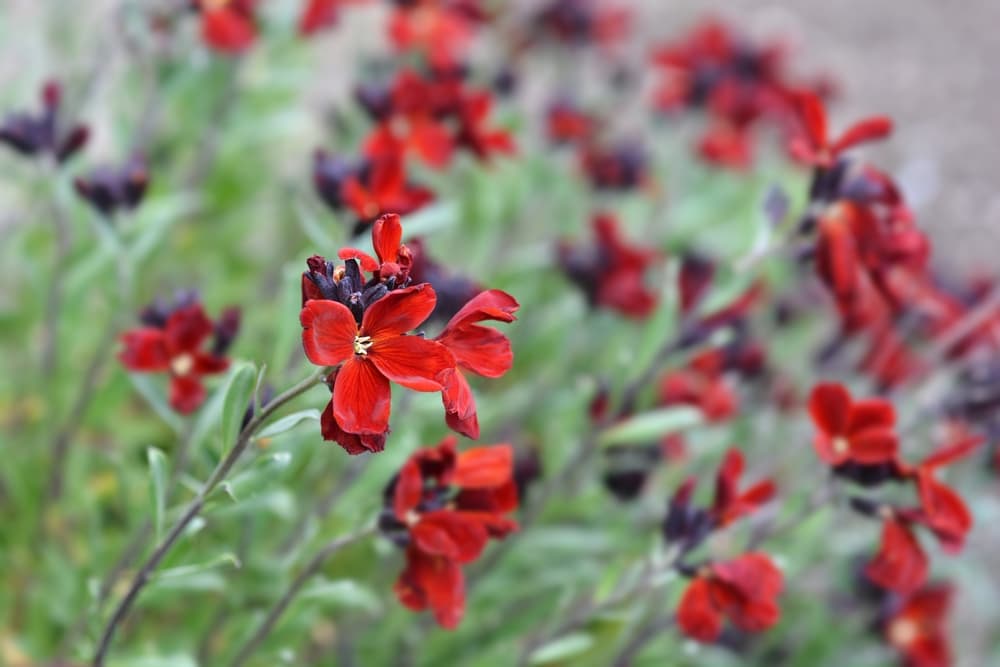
column 361, row 345
column 182, row 364
column 903, row 632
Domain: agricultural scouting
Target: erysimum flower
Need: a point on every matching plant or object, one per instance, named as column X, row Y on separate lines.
column 900, row 564
column 477, row 349
column 443, row 508
column 744, row 590
column 815, row 146
column 109, row 189
column 373, row 353
column 228, row 26
column 943, row 510
column 33, row 134
column 175, row 343
column 731, row 504
column 857, row 431
column 918, row 629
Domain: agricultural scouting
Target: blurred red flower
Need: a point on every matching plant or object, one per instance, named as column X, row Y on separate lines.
column 730, row 504
column 228, row 26
column 176, row 347
column 814, row 145
column 918, row 629
column 449, row 504
column 858, row 431
column 744, row 590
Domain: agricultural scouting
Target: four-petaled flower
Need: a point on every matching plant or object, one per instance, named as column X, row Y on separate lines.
column 744, row 590
column 856, row 431
column 176, row 346
column 918, row 629
column 373, row 353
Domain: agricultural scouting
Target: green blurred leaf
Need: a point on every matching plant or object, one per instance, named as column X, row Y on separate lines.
column 288, row 422
column 651, row 426
column 185, row 571
column 343, row 593
column 158, row 488
column 157, row 399
column 561, row 649
column 238, row 392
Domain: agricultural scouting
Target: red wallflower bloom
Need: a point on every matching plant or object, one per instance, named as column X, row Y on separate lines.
column 918, row 630
column 412, row 124
column 448, row 506
column 440, row 30
column 943, row 510
column 564, row 123
column 319, row 14
column 473, row 113
column 729, row 503
column 858, row 431
column 394, row 258
column 228, row 26
column 374, row 353
column 900, row 564
column 816, row 147
column 726, row 145
column 108, row 189
column 611, row 272
column 176, row 347
column 708, row 391
column 480, row 350
column 382, row 188
column 744, row 590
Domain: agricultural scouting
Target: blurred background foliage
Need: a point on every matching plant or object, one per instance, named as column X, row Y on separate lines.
column 231, row 212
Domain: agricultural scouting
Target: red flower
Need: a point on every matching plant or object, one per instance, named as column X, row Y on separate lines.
column 228, row 26
column 727, row 145
column 383, row 188
column 176, row 347
column 372, row 354
column 473, row 112
column 900, row 564
column 477, row 349
column 30, row 134
column 816, row 147
column 858, row 431
column 435, row 29
column 413, row 123
column 611, row 273
column 319, row 14
column 449, row 505
column 744, row 590
column 729, row 503
column 565, row 123
column 707, row 391
column 918, row 630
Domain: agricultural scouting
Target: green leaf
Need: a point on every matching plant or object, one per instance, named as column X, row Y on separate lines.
column 651, row 426
column 288, row 422
column 238, row 393
column 563, row 648
column 343, row 593
column 158, row 474
column 185, row 571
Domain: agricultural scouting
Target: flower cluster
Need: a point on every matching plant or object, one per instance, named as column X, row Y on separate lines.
column 182, row 341
column 858, row 438
column 443, row 508
column 359, row 326
column 743, row 589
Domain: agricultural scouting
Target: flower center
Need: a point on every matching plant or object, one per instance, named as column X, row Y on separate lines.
column 361, row 345
column 840, row 445
column 903, row 632
column 182, row 364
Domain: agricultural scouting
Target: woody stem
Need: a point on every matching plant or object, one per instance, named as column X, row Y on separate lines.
column 194, row 509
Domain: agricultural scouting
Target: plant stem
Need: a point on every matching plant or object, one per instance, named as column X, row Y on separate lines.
column 194, row 509
column 310, row 570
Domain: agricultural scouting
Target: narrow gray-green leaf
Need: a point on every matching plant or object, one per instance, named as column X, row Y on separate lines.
column 238, row 393
column 343, row 593
column 651, row 426
column 563, row 648
column 288, row 422
column 158, row 486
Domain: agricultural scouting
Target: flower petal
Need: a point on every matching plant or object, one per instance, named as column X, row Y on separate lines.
column 328, row 332
column 409, row 490
column 871, row 412
column 450, row 534
column 399, row 311
column 697, row 617
column 869, row 129
column 145, row 350
column 367, row 262
column 482, row 350
column 187, row 393
column 412, row 361
column 484, row 467
column 387, row 234
column 900, row 564
column 353, row 443
column 830, row 407
column 361, row 398
column 874, row 445
column 186, row 329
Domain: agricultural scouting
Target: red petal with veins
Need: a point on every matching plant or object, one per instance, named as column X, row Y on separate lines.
column 873, row 445
column 387, row 235
column 409, row 490
column 435, row 582
column 450, row 534
column 187, row 328
column 399, row 311
column 361, row 398
column 368, row 263
column 412, row 361
column 328, row 332
column 869, row 129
